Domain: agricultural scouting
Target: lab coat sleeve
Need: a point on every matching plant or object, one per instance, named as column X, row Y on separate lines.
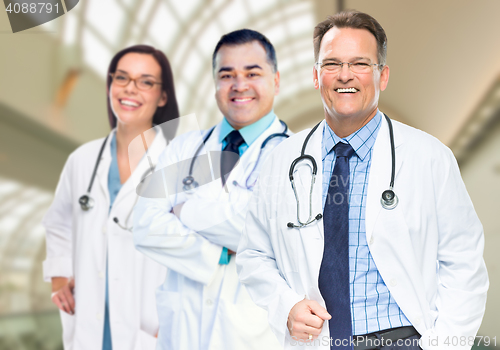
column 58, row 228
column 463, row 279
column 259, row 272
column 221, row 222
column 160, row 235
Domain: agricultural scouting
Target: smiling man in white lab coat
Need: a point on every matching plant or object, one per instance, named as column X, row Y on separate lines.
column 386, row 275
column 202, row 304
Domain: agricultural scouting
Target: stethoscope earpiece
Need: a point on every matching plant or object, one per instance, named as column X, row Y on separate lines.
column 115, row 219
column 316, row 218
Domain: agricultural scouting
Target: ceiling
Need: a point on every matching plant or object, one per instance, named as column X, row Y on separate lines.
column 443, row 55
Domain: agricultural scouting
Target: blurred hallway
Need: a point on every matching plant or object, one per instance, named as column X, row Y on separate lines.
column 445, row 79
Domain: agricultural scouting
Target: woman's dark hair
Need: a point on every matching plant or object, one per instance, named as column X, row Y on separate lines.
column 163, row 114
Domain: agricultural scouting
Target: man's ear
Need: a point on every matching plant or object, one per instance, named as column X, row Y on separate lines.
column 276, row 83
column 163, row 99
column 384, row 78
column 315, row 78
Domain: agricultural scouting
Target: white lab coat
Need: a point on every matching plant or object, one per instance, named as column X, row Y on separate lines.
column 77, row 242
column 434, row 221
column 202, row 304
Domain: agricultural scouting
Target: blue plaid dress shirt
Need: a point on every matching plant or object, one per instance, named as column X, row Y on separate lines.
column 372, row 306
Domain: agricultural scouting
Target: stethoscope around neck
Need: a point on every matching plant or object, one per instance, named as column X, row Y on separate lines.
column 190, row 184
column 388, row 200
column 87, row 202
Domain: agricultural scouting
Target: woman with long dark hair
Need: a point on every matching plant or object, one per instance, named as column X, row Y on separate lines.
column 104, row 288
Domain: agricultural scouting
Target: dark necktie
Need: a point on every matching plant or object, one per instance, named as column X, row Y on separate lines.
column 228, row 161
column 334, row 271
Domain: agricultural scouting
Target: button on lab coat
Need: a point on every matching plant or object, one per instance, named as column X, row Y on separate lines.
column 77, row 243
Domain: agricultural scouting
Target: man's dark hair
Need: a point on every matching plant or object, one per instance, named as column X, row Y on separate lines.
column 356, row 20
column 244, row 36
column 170, row 111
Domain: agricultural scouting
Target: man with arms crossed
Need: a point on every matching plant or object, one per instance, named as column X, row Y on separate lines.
column 383, row 276
column 202, row 304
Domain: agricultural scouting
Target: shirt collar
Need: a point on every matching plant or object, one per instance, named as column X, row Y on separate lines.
column 251, row 132
column 361, row 141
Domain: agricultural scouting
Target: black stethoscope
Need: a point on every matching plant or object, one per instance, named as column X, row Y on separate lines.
column 87, row 202
column 389, row 200
column 189, row 183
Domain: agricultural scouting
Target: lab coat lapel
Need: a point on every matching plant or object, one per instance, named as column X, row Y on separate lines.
column 144, row 166
column 244, row 167
column 213, row 143
column 103, row 170
column 387, row 232
column 380, row 174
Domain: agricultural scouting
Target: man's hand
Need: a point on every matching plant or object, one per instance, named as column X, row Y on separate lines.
column 306, row 317
column 62, row 294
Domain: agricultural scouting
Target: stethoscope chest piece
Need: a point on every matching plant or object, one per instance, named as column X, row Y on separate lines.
column 189, row 184
column 86, row 202
column 389, row 199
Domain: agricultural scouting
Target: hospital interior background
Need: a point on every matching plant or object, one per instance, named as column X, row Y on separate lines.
column 445, row 79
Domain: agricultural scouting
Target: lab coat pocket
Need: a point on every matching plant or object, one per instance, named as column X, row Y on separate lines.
column 392, row 250
column 246, row 327
column 169, row 308
column 299, row 245
column 146, row 341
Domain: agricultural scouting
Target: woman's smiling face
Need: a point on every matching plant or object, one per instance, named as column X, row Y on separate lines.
column 133, row 106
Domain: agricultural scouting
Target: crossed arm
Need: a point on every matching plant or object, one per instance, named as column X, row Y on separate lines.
column 187, row 233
